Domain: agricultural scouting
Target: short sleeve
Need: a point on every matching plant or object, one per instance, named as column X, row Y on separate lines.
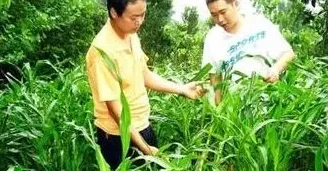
column 278, row 45
column 104, row 80
column 212, row 51
column 145, row 59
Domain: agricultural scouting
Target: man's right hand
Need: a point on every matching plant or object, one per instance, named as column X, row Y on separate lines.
column 192, row 90
column 272, row 75
column 152, row 151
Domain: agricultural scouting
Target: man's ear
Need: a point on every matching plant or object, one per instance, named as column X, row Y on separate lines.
column 236, row 4
column 113, row 13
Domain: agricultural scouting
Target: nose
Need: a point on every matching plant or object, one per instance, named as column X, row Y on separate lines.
column 139, row 21
column 220, row 19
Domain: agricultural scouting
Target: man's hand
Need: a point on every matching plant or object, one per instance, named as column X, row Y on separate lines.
column 192, row 90
column 152, row 151
column 272, row 75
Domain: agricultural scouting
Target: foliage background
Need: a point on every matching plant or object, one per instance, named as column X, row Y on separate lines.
column 46, row 108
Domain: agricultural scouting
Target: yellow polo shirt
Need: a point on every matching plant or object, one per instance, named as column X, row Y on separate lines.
column 104, row 85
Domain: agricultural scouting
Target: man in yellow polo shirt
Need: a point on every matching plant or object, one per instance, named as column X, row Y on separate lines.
column 118, row 39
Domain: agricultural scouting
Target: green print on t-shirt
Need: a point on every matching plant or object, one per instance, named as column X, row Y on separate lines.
column 240, row 44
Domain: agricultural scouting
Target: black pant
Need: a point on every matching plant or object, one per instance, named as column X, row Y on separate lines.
column 111, row 146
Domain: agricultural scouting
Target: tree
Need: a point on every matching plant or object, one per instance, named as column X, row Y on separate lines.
column 325, row 37
column 153, row 39
column 5, row 3
column 190, row 17
column 54, row 30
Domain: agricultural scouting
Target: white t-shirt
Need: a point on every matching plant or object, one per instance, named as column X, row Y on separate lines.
column 246, row 7
column 258, row 36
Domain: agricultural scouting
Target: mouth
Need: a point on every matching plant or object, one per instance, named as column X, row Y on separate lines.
column 224, row 25
column 136, row 29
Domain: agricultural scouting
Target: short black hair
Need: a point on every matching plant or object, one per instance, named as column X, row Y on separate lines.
column 118, row 5
column 210, row 1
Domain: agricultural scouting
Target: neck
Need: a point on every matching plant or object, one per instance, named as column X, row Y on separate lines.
column 237, row 26
column 118, row 31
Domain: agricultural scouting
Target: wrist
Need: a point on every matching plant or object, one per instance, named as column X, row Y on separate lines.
column 145, row 149
column 276, row 70
column 180, row 89
column 278, row 67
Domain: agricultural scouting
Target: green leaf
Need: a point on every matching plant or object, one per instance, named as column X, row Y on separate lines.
column 125, row 117
column 125, row 165
column 102, row 164
column 318, row 160
column 272, row 141
column 264, row 154
column 262, row 124
column 204, row 71
column 156, row 160
column 5, row 4
column 110, row 65
column 15, row 168
column 125, row 122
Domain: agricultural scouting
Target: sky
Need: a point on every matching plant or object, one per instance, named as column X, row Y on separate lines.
column 179, row 6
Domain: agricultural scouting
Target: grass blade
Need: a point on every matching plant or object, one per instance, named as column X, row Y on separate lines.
column 125, row 119
column 204, row 71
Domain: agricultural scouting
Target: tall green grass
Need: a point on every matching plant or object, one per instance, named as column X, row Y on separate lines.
column 39, row 118
column 257, row 126
column 46, row 123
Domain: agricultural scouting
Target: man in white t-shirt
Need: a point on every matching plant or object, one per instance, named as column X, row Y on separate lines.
column 245, row 7
column 235, row 38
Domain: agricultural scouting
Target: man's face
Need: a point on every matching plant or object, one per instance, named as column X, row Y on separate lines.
column 224, row 14
column 132, row 17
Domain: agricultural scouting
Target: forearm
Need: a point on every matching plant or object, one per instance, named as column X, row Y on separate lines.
column 217, row 97
column 139, row 142
column 282, row 63
column 157, row 83
column 214, row 81
column 115, row 109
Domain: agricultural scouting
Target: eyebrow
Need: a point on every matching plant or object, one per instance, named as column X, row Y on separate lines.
column 141, row 14
column 137, row 15
column 219, row 11
column 222, row 10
